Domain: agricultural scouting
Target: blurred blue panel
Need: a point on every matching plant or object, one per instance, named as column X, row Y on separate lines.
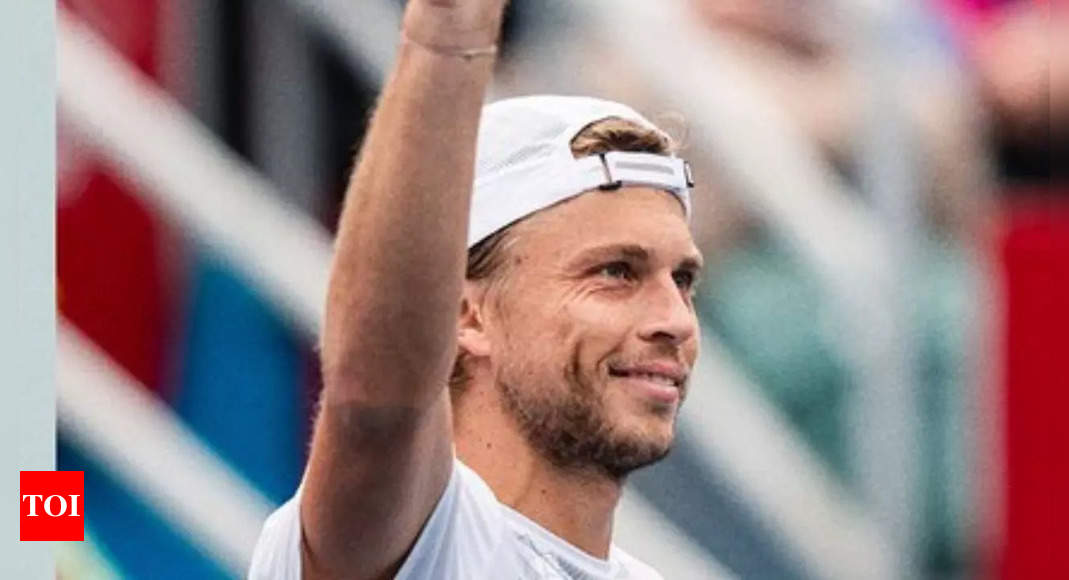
column 241, row 384
column 134, row 537
column 701, row 503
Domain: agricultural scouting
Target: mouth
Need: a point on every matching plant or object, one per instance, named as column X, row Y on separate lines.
column 669, row 375
column 661, row 382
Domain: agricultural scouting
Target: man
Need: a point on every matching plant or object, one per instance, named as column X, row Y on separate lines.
column 565, row 332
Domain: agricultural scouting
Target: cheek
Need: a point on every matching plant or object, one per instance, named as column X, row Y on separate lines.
column 563, row 331
column 694, row 348
column 536, row 339
column 596, row 331
column 601, row 322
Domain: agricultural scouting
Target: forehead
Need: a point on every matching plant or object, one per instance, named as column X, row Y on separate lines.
column 640, row 216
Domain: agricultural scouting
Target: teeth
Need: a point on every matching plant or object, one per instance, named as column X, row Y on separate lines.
column 652, row 377
column 660, row 379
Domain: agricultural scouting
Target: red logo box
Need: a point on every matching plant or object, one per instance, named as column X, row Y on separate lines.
column 51, row 506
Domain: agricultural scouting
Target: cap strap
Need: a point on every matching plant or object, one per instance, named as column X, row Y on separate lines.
column 529, row 188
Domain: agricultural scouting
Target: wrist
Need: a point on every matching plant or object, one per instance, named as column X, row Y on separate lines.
column 467, row 54
column 447, row 27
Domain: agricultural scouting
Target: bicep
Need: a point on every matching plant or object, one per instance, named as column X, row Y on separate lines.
column 374, row 477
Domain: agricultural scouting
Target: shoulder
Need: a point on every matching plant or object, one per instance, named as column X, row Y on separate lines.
column 466, row 536
column 476, row 496
column 278, row 551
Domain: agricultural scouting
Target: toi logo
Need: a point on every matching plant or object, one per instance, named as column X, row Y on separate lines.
column 51, row 506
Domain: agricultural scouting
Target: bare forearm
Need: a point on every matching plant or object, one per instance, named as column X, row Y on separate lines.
column 381, row 453
column 398, row 269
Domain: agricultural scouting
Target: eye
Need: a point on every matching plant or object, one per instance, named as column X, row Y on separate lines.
column 620, row 270
column 684, row 279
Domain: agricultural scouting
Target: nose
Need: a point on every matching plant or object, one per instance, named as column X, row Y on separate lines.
column 667, row 314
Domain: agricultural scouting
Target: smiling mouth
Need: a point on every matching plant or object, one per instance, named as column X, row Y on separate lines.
column 655, row 377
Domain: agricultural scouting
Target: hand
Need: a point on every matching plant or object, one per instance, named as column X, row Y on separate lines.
column 454, row 24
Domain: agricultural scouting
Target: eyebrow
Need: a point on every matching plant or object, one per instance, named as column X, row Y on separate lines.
column 632, row 251
column 692, row 263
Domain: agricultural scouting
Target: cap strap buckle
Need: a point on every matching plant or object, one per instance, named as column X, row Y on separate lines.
column 610, row 183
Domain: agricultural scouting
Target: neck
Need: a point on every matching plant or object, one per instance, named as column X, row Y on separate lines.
column 528, row 483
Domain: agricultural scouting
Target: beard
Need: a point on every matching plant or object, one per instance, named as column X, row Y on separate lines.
column 571, row 428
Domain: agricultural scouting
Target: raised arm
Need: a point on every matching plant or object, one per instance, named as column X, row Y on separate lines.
column 382, row 447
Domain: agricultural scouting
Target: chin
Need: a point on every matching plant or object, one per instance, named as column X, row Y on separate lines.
column 653, row 421
column 655, row 433
column 637, row 450
column 662, row 437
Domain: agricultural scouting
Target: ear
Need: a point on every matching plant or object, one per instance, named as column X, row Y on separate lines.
column 472, row 334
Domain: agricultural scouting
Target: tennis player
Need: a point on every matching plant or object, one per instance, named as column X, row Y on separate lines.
column 509, row 329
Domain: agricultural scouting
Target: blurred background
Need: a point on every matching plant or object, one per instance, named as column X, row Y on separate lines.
column 882, row 203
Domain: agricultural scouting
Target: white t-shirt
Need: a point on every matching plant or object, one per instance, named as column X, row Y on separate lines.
column 469, row 536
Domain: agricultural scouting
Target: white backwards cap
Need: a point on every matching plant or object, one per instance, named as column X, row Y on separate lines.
column 524, row 160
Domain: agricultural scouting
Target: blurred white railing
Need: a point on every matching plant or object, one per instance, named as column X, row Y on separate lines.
column 138, row 439
column 185, row 171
